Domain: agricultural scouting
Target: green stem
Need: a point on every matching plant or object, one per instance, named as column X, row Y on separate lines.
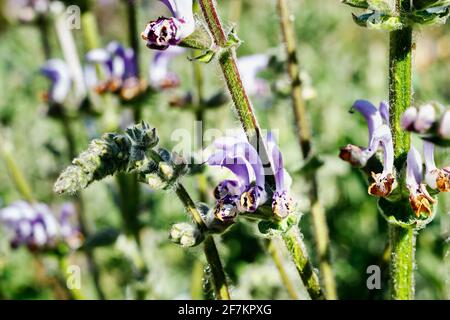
column 304, row 138
column 219, row 278
column 90, row 31
column 244, row 109
column 210, row 249
column 133, row 40
column 297, row 249
column 197, row 280
column 278, row 260
column 402, row 240
column 17, row 177
column 241, row 101
column 75, row 293
column 42, row 23
column 400, row 90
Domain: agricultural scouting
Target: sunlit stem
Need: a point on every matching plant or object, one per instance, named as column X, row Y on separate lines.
column 305, row 141
column 402, row 240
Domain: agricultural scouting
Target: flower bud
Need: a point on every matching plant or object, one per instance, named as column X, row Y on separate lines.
column 186, row 235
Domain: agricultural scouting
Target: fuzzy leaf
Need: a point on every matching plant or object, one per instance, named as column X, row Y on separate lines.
column 363, row 4
column 205, row 57
column 378, row 21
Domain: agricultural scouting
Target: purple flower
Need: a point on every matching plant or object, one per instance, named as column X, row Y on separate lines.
column 419, row 198
column 249, row 67
column 119, row 66
column 34, row 226
column 159, row 74
column 379, row 136
column 247, row 192
column 435, row 178
column 419, row 120
column 165, row 32
column 57, row 72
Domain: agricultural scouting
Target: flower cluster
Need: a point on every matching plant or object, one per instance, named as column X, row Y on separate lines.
column 165, row 32
column 247, row 192
column 379, row 137
column 431, row 121
column 421, row 185
column 119, row 67
column 35, row 226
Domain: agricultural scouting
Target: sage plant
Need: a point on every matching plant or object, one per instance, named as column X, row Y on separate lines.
column 399, row 183
column 278, row 221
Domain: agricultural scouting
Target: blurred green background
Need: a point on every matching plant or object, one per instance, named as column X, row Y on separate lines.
column 345, row 63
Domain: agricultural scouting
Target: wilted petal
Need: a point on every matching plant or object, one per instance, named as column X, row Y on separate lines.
column 355, row 155
column 419, row 198
column 436, row 178
column 383, row 184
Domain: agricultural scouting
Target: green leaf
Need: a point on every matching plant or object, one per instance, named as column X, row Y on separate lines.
column 363, row 4
column 385, row 6
column 233, row 40
column 430, row 17
column 425, row 4
column 205, row 57
column 378, row 21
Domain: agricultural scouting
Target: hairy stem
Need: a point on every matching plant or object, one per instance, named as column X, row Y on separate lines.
column 133, row 39
column 304, row 138
column 218, row 275
column 243, row 106
column 297, row 249
column 241, row 101
column 17, row 177
column 75, row 292
column 402, row 240
column 210, row 249
column 403, row 243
